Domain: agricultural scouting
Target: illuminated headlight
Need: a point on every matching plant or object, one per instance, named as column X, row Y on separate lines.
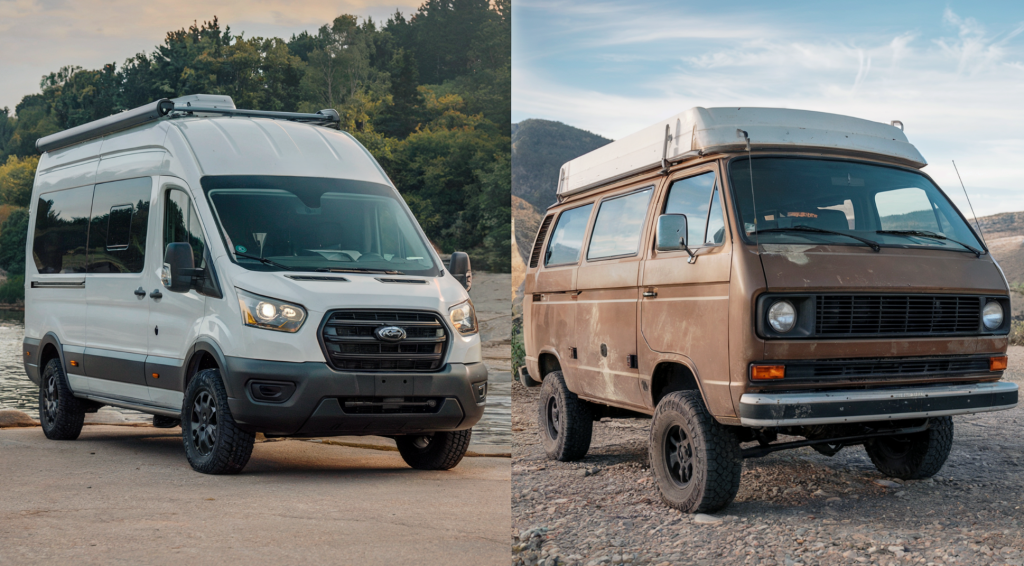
column 272, row 314
column 782, row 316
column 992, row 315
column 463, row 317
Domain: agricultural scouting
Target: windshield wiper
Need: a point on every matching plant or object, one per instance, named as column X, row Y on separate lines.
column 264, row 261
column 801, row 228
column 357, row 270
column 929, row 234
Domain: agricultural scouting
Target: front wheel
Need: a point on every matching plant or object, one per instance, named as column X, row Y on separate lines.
column 696, row 461
column 436, row 451
column 913, row 456
column 213, row 442
column 60, row 413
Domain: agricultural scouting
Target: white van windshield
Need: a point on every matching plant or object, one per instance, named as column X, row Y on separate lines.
column 835, row 202
column 299, row 224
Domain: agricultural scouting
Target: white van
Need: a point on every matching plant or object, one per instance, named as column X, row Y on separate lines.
column 238, row 271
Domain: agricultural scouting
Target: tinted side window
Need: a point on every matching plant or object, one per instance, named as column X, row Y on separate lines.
column 117, row 231
column 691, row 196
column 567, row 241
column 62, row 228
column 181, row 224
column 620, row 221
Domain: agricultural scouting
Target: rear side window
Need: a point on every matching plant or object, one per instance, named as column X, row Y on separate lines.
column 620, row 221
column 181, row 224
column 61, row 231
column 117, row 231
column 567, row 241
column 693, row 197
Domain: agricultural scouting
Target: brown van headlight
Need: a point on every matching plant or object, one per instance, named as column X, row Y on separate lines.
column 992, row 315
column 782, row 316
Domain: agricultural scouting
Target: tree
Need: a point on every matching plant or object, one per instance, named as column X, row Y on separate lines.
column 13, row 236
column 16, row 178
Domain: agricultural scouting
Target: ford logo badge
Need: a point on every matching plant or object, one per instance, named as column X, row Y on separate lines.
column 390, row 333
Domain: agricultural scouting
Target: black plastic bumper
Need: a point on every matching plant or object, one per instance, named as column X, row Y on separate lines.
column 316, row 407
column 874, row 405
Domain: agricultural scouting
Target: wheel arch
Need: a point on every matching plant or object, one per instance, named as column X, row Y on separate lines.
column 206, row 354
column 672, row 375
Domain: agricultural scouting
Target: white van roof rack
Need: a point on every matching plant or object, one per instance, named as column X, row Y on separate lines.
column 196, row 105
column 700, row 131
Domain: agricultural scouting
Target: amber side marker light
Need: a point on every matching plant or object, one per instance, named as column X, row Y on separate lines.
column 74, row 363
column 761, row 373
column 997, row 363
column 156, row 376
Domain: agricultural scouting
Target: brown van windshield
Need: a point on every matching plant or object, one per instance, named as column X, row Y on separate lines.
column 890, row 206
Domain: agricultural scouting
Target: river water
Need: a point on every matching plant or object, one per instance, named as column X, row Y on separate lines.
column 18, row 392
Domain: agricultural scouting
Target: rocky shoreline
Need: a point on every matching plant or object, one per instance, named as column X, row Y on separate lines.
column 794, row 507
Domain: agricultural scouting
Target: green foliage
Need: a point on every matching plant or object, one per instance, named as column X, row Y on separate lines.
column 429, row 96
column 12, row 291
column 16, row 178
column 13, row 235
column 539, row 149
column 518, row 347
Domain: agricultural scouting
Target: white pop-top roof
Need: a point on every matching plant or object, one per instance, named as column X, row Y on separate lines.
column 721, row 129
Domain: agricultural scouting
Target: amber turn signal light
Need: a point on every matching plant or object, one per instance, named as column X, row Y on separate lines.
column 760, row 373
column 74, row 363
column 156, row 376
column 997, row 363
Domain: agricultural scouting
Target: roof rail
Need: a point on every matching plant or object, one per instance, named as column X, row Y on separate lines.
column 166, row 107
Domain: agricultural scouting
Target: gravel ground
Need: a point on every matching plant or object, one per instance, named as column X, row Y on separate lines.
column 793, row 507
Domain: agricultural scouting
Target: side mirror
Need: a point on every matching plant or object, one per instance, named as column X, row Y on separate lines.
column 179, row 267
column 671, row 232
column 459, row 267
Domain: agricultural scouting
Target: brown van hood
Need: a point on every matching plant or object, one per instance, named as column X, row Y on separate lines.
column 844, row 268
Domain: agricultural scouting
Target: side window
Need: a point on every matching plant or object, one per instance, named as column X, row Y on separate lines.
column 567, row 241
column 906, row 209
column 620, row 221
column 62, row 231
column 181, row 224
column 117, row 229
column 692, row 196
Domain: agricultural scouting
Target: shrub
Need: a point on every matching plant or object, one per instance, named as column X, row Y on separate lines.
column 13, row 291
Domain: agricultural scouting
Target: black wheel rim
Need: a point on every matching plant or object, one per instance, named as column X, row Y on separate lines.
column 50, row 399
column 204, row 423
column 679, row 457
column 554, row 418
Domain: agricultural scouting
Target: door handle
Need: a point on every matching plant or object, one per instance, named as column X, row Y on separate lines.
column 650, row 293
column 140, row 292
column 156, row 294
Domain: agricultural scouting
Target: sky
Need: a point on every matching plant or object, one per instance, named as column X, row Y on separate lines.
column 953, row 73
column 38, row 37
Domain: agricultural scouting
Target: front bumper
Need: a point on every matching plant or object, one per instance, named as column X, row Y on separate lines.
column 317, row 407
column 873, row 405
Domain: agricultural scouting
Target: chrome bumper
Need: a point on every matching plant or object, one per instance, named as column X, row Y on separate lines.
column 874, row 405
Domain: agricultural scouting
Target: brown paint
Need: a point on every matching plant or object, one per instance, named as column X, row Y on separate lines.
column 701, row 315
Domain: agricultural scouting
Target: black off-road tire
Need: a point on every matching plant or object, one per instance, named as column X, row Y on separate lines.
column 564, row 421
column 913, row 456
column 437, row 451
column 708, row 463
column 229, row 448
column 60, row 413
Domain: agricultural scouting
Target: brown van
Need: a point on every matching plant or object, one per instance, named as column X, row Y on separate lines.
column 740, row 274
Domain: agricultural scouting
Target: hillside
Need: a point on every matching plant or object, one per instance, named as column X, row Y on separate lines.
column 539, row 148
column 1004, row 234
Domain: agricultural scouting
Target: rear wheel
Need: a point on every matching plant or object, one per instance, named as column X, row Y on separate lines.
column 437, row 451
column 60, row 413
column 696, row 461
column 214, row 444
column 913, row 456
column 565, row 421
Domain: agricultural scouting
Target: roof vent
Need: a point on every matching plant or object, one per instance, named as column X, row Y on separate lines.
column 205, row 101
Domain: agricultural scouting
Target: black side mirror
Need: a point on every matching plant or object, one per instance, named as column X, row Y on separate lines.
column 459, row 267
column 179, row 267
column 671, row 234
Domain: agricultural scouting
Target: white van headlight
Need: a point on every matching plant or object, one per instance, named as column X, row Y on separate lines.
column 992, row 315
column 272, row 314
column 463, row 317
column 782, row 316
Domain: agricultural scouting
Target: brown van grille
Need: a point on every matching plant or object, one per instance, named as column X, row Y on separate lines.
column 538, row 244
column 886, row 368
column 875, row 315
column 350, row 343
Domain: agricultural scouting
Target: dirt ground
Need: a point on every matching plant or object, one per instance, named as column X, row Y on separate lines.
column 793, row 507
